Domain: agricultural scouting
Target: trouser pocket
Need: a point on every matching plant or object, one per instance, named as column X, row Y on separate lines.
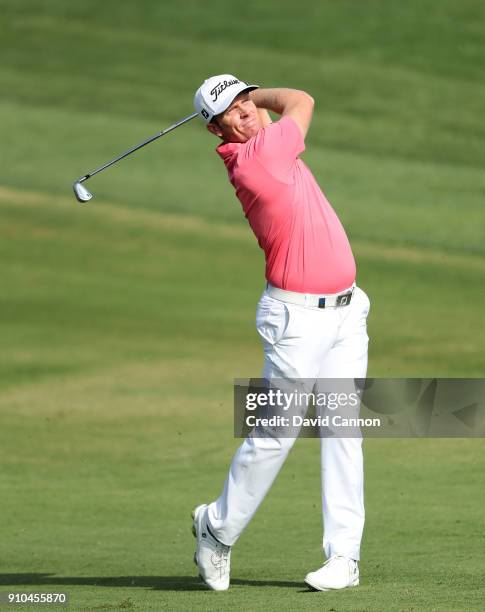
column 272, row 319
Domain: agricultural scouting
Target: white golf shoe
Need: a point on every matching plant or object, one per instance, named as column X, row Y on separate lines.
column 337, row 573
column 211, row 556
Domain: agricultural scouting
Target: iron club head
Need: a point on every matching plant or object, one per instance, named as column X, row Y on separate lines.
column 81, row 193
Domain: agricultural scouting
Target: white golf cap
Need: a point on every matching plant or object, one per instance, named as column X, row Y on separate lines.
column 215, row 94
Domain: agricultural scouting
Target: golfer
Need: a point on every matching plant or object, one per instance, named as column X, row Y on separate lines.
column 311, row 319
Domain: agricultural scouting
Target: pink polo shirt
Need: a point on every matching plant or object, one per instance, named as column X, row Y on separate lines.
column 306, row 247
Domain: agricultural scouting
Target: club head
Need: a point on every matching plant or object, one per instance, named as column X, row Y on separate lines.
column 81, row 193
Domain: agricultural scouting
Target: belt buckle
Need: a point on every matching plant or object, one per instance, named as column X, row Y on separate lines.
column 344, row 299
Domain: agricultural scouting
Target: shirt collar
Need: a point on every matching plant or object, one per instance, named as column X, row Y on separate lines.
column 227, row 150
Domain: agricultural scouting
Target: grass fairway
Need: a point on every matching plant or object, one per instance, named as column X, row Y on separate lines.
column 124, row 322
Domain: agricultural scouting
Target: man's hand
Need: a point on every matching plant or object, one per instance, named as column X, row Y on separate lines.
column 293, row 102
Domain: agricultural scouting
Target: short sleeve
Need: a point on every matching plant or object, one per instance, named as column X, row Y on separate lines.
column 278, row 145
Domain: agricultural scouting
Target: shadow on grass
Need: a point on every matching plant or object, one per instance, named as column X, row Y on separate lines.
column 157, row 583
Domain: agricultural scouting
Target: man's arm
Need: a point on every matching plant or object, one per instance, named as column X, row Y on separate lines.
column 293, row 102
column 264, row 117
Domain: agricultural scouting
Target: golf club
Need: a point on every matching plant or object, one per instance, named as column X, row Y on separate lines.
column 80, row 191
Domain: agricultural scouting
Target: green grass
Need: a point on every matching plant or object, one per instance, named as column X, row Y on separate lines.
column 124, row 322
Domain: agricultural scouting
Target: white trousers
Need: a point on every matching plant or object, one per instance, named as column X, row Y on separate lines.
column 307, row 343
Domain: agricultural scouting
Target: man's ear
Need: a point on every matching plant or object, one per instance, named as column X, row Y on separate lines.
column 214, row 129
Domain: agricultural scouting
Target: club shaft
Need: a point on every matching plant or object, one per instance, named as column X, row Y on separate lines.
column 133, row 149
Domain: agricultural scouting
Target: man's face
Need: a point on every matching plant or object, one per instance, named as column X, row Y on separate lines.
column 239, row 122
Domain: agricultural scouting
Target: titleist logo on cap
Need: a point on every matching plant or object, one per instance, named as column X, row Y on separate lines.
column 220, row 87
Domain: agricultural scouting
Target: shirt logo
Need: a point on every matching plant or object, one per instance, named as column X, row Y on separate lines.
column 220, row 87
